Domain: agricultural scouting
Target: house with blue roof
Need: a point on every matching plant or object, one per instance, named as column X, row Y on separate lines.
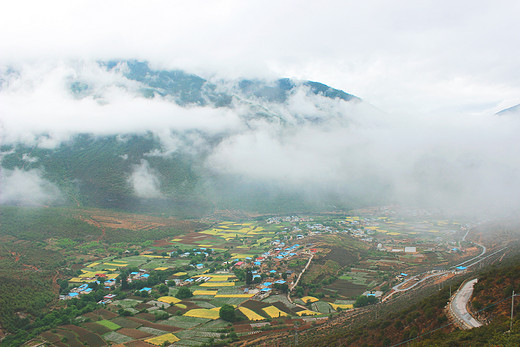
column 146, row 289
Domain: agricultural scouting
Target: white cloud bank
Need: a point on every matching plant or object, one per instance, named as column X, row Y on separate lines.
column 350, row 149
column 145, row 182
column 27, row 188
column 38, row 100
column 403, row 56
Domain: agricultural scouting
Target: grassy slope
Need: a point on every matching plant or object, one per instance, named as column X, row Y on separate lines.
column 38, row 244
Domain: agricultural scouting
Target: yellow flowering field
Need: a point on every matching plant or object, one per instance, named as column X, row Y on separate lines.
column 250, row 314
column 217, row 284
column 159, row 340
column 307, row 313
column 169, row 299
column 343, row 307
column 307, row 299
column 234, row 295
column 205, row 292
column 203, row 313
column 274, row 311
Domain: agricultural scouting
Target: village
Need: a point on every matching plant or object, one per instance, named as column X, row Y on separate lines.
column 259, row 268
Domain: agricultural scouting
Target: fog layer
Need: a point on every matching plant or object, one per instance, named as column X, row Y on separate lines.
column 309, row 143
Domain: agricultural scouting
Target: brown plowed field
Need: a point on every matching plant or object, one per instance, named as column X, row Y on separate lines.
column 97, row 328
column 86, row 336
column 106, row 314
column 126, row 323
column 346, row 288
column 138, row 344
column 146, row 323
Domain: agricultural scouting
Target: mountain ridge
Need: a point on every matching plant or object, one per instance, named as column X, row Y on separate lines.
column 110, row 170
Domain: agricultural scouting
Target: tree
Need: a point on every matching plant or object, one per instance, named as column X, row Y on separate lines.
column 284, row 287
column 227, row 313
column 249, row 277
column 363, row 300
column 163, row 289
column 184, row 293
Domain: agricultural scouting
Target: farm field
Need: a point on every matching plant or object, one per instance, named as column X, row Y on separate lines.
column 245, row 264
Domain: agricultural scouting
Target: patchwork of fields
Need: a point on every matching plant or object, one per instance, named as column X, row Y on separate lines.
column 215, row 263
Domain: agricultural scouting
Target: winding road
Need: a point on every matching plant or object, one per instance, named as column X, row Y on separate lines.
column 404, row 286
column 458, row 306
column 298, row 280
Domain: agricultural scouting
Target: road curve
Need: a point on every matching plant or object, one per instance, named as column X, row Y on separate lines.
column 458, row 306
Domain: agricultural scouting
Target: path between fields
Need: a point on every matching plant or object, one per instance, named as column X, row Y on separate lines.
column 296, row 283
column 101, row 227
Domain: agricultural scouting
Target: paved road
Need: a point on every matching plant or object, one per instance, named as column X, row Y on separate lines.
column 459, row 303
column 398, row 288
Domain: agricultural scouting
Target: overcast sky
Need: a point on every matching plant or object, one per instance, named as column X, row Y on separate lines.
column 437, row 70
column 415, row 57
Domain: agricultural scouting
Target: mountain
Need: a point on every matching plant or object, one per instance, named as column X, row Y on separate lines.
column 175, row 169
column 189, row 89
column 510, row 110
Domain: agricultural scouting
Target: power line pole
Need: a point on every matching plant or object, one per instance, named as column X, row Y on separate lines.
column 512, row 308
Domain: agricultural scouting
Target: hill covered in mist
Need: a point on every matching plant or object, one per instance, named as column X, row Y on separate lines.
column 127, row 135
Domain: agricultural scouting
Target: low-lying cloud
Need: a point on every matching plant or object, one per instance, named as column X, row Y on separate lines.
column 145, row 182
column 38, row 101
column 309, row 144
column 27, row 188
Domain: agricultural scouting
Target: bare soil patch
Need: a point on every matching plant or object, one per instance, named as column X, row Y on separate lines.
column 126, row 323
column 138, row 344
column 70, row 337
column 345, row 288
column 97, row 328
column 146, row 316
column 51, row 337
column 86, row 336
column 106, row 314
column 148, row 324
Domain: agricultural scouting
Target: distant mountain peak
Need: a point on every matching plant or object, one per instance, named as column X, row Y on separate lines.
column 190, row 89
column 510, row 110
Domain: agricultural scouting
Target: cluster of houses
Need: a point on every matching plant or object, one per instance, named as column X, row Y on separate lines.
column 76, row 292
column 140, row 275
column 319, row 227
column 374, row 293
column 408, row 250
column 107, row 299
column 290, row 219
